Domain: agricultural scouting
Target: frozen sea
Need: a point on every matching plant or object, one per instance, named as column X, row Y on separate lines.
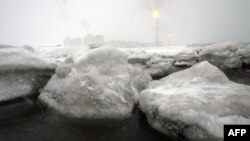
column 25, row 119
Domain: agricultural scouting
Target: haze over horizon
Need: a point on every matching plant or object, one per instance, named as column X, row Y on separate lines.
column 47, row 22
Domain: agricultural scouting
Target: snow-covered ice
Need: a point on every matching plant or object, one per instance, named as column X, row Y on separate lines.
column 186, row 58
column 227, row 55
column 162, row 61
column 58, row 54
column 223, row 55
column 22, row 72
column 166, row 50
column 100, row 84
column 195, row 103
column 244, row 54
column 22, row 58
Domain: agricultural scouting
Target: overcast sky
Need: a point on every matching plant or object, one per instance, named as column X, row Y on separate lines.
column 48, row 22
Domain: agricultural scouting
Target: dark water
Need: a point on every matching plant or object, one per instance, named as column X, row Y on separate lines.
column 241, row 76
column 24, row 120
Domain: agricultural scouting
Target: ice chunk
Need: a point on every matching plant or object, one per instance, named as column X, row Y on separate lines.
column 22, row 72
column 223, row 55
column 195, row 103
column 100, row 84
column 22, row 58
column 244, row 54
column 139, row 57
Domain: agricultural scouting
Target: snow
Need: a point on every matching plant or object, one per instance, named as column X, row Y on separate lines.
column 15, row 85
column 227, row 55
column 223, row 55
column 162, row 61
column 244, row 53
column 166, row 50
column 186, row 55
column 195, row 103
column 21, row 58
column 140, row 57
column 22, row 72
column 58, row 54
column 99, row 84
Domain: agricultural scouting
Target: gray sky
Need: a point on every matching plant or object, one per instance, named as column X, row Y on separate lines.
column 46, row 22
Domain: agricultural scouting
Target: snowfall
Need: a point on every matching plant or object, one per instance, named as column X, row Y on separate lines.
column 182, row 90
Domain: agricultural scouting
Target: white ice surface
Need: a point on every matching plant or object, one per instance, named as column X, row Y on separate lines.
column 201, row 96
column 19, row 58
column 20, row 68
column 99, row 84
